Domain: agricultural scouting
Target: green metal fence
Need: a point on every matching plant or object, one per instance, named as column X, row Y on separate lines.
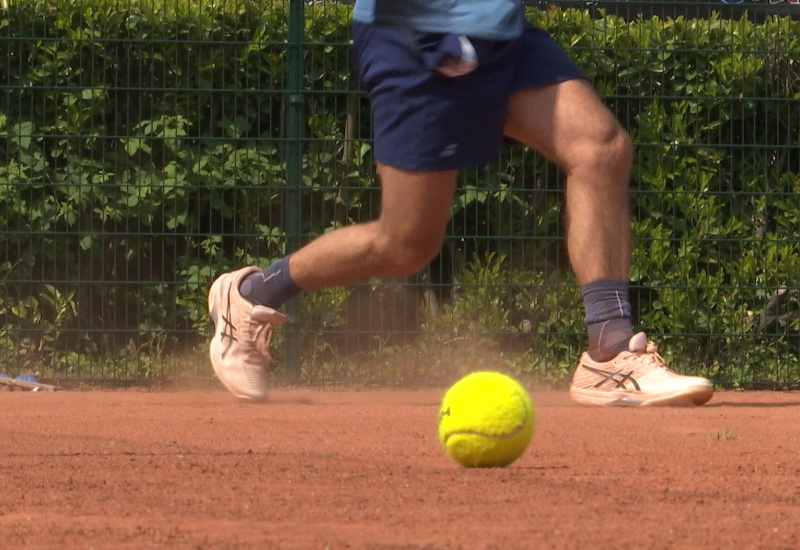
column 147, row 146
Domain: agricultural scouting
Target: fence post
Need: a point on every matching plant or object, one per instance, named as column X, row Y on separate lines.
column 295, row 117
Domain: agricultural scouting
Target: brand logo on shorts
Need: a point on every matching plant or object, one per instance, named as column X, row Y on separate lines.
column 449, row 151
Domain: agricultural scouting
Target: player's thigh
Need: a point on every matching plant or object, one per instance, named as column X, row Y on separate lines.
column 415, row 205
column 566, row 121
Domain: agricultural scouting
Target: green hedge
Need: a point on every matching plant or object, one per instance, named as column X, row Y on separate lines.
column 142, row 152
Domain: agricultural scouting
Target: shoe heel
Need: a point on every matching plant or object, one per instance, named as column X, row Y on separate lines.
column 213, row 294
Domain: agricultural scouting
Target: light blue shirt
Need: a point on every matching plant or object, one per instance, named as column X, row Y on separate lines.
column 490, row 19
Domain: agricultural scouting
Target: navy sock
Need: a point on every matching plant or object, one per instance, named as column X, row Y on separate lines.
column 608, row 317
column 271, row 287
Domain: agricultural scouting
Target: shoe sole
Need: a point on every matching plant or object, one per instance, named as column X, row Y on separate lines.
column 690, row 397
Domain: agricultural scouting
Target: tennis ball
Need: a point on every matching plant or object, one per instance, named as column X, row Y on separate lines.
column 486, row 420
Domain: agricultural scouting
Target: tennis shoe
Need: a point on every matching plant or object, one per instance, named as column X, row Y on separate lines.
column 242, row 332
column 636, row 377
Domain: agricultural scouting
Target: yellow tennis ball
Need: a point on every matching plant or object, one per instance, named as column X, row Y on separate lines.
column 486, row 420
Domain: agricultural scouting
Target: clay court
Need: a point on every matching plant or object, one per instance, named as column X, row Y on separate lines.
column 365, row 470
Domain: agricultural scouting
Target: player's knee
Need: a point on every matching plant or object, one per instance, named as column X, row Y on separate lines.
column 603, row 162
column 408, row 254
column 621, row 148
column 613, row 153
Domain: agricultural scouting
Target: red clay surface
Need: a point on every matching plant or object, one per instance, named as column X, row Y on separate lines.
column 365, row 470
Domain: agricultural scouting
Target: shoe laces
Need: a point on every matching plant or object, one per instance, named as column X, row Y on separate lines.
column 649, row 356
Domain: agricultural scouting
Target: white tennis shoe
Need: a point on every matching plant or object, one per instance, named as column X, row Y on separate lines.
column 242, row 332
column 636, row 377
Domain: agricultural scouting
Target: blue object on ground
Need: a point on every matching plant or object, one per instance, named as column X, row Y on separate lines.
column 27, row 378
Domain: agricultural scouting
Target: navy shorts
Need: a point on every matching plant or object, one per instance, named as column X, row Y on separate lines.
column 425, row 121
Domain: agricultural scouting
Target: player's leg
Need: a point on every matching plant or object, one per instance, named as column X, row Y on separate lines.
column 426, row 126
column 555, row 111
column 243, row 304
column 407, row 234
column 568, row 123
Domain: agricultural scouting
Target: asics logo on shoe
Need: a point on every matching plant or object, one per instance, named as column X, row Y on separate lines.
column 228, row 328
column 618, row 378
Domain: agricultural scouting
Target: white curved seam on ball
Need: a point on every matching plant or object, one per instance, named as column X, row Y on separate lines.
column 508, row 435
